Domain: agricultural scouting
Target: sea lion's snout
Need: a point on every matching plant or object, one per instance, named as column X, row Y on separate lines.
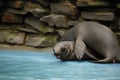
column 59, row 52
column 63, row 50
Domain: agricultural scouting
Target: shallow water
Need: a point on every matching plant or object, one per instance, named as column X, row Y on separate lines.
column 25, row 65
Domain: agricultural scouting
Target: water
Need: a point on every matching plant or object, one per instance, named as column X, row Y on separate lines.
column 25, row 65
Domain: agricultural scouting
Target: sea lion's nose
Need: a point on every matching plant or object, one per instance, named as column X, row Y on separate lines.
column 58, row 55
column 55, row 54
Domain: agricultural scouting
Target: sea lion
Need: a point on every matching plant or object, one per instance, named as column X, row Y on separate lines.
column 97, row 37
column 65, row 51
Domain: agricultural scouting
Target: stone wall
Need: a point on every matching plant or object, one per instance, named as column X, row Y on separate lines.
column 37, row 23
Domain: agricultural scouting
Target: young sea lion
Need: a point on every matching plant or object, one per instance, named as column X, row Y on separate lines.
column 65, row 51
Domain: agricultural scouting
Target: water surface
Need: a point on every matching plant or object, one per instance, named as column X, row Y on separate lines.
column 26, row 65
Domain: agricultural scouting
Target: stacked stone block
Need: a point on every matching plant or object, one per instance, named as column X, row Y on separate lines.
column 37, row 23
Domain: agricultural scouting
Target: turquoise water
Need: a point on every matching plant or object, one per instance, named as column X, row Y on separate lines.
column 25, row 65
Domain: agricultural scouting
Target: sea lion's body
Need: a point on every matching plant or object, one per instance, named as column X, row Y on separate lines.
column 95, row 36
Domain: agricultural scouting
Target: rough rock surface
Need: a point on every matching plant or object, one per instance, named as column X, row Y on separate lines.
column 100, row 3
column 56, row 20
column 40, row 41
column 28, row 29
column 104, row 16
column 17, row 3
column 35, row 23
column 38, row 23
column 44, row 2
column 64, row 8
column 9, row 17
column 12, row 37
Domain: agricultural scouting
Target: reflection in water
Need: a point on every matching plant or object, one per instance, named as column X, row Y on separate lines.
column 25, row 65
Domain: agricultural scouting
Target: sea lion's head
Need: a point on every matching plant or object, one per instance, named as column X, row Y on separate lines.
column 64, row 50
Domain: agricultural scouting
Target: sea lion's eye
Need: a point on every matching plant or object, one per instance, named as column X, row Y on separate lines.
column 63, row 49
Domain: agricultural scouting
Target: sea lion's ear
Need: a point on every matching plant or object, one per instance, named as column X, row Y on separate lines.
column 80, row 48
column 61, row 33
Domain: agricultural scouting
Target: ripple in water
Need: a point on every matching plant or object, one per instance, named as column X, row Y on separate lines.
column 25, row 65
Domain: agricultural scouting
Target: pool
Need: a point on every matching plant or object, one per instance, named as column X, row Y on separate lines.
column 28, row 65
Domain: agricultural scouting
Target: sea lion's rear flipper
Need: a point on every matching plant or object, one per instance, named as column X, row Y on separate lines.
column 80, row 48
column 106, row 60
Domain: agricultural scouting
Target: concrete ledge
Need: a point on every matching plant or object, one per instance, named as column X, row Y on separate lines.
column 24, row 48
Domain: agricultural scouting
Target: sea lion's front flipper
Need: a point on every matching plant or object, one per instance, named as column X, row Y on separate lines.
column 80, row 48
